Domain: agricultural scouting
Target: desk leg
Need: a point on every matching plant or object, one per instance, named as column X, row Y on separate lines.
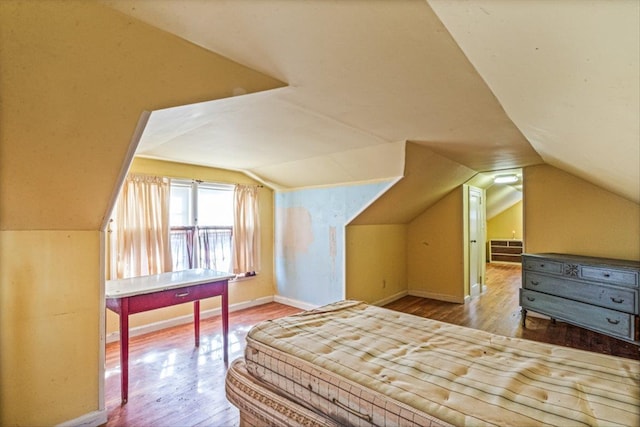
column 196, row 321
column 225, row 322
column 124, row 350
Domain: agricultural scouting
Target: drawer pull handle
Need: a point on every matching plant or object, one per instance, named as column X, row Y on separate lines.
column 531, row 298
column 541, row 265
column 182, row 295
column 613, row 322
column 607, row 275
column 534, row 283
column 617, row 300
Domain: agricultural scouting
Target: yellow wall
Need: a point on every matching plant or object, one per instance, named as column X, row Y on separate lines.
column 376, row 262
column 262, row 285
column 565, row 214
column 49, row 337
column 75, row 78
column 560, row 213
column 505, row 223
column 435, row 253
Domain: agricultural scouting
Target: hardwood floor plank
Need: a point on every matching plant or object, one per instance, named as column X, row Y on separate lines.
column 173, row 383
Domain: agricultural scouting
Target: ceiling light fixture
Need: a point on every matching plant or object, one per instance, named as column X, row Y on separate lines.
column 505, row 179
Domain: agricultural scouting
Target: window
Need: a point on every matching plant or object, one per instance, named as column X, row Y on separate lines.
column 215, row 226
column 201, row 224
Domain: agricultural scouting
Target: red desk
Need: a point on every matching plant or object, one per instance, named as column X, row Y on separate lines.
column 138, row 294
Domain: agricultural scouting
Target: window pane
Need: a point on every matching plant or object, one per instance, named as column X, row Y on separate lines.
column 215, row 206
column 180, row 205
column 215, row 248
column 182, row 248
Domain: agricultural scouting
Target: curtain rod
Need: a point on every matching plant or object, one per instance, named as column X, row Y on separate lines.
column 199, row 181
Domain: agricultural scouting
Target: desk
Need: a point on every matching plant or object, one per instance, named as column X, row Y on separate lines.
column 138, row 294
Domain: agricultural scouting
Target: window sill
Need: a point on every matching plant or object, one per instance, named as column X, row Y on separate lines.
column 243, row 278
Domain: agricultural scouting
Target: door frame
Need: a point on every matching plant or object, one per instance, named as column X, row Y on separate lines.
column 480, row 240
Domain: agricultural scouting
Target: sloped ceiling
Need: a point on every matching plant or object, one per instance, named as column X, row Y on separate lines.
column 427, row 178
column 567, row 73
column 365, row 76
column 74, row 79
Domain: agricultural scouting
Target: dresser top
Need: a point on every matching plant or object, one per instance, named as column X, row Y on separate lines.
column 581, row 259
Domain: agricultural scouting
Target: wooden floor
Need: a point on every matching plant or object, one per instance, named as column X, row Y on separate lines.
column 173, row 383
column 497, row 311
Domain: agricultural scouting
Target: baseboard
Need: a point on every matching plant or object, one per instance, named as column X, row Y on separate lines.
column 390, row 299
column 475, row 290
column 439, row 297
column 92, row 419
column 187, row 318
column 293, row 303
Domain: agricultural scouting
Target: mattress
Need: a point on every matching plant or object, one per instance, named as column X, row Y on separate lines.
column 365, row 365
column 260, row 405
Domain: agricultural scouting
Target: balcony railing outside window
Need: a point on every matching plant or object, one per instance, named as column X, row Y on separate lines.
column 201, row 247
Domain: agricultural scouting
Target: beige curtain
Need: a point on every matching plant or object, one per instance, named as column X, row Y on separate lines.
column 246, row 230
column 141, row 228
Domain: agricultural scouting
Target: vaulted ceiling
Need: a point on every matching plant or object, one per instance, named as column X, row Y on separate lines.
column 485, row 84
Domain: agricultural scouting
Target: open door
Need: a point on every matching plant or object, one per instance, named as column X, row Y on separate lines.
column 476, row 239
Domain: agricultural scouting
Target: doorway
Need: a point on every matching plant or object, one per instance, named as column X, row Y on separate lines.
column 493, row 213
column 504, row 220
column 476, row 240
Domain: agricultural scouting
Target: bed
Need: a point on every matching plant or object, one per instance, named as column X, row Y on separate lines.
column 350, row 363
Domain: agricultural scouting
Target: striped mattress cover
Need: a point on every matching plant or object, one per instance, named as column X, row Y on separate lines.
column 365, row 365
column 261, row 405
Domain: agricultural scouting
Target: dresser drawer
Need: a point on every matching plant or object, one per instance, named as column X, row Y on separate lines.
column 144, row 302
column 607, row 275
column 508, row 250
column 542, row 265
column 600, row 319
column 605, row 296
column 511, row 243
column 505, row 257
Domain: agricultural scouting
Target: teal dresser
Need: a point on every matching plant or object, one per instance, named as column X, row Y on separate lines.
column 600, row 294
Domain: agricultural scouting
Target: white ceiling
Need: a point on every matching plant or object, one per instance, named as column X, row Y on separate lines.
column 497, row 80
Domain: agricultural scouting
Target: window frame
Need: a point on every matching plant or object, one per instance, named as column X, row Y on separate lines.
column 193, row 220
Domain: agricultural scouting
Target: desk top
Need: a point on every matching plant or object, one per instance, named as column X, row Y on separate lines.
column 121, row 288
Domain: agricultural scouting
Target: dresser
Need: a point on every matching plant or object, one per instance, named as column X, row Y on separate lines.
column 600, row 294
column 505, row 250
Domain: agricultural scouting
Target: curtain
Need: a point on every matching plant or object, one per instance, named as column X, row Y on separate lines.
column 246, row 230
column 142, row 244
column 215, row 247
column 183, row 247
